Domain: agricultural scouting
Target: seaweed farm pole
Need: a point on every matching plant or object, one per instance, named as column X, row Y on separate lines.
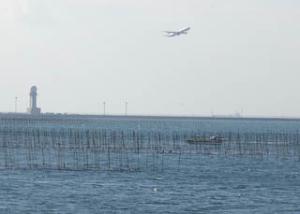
column 126, row 151
column 30, row 147
column 179, row 156
column 4, row 147
column 138, row 149
column 121, row 148
column 94, row 149
column 108, row 153
column 239, row 143
column 147, row 149
column 59, row 152
column 87, row 147
column 42, row 143
column 76, row 148
column 162, row 161
column 153, row 150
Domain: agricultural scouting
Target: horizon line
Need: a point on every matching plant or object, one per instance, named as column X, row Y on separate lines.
column 191, row 116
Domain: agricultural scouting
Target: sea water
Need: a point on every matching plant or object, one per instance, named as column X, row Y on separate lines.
column 190, row 183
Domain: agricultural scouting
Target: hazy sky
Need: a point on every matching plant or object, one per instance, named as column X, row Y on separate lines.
column 239, row 54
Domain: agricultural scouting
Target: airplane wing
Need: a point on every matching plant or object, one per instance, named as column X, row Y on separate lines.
column 171, row 33
column 185, row 29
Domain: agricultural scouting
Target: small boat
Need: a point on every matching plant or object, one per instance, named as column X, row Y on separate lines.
column 205, row 140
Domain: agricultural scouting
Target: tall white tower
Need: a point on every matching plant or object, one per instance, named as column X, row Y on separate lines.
column 33, row 109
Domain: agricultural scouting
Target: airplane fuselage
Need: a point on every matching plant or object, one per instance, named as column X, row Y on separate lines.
column 177, row 33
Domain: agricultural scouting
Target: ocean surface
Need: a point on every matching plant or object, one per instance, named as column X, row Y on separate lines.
column 186, row 183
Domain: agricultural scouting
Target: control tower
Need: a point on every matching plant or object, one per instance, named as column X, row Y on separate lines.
column 33, row 109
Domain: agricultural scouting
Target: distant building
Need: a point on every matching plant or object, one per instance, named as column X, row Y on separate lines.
column 33, row 109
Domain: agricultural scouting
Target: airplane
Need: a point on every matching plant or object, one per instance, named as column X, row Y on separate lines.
column 177, row 33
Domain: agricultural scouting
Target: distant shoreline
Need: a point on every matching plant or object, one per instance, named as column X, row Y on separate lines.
column 151, row 117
